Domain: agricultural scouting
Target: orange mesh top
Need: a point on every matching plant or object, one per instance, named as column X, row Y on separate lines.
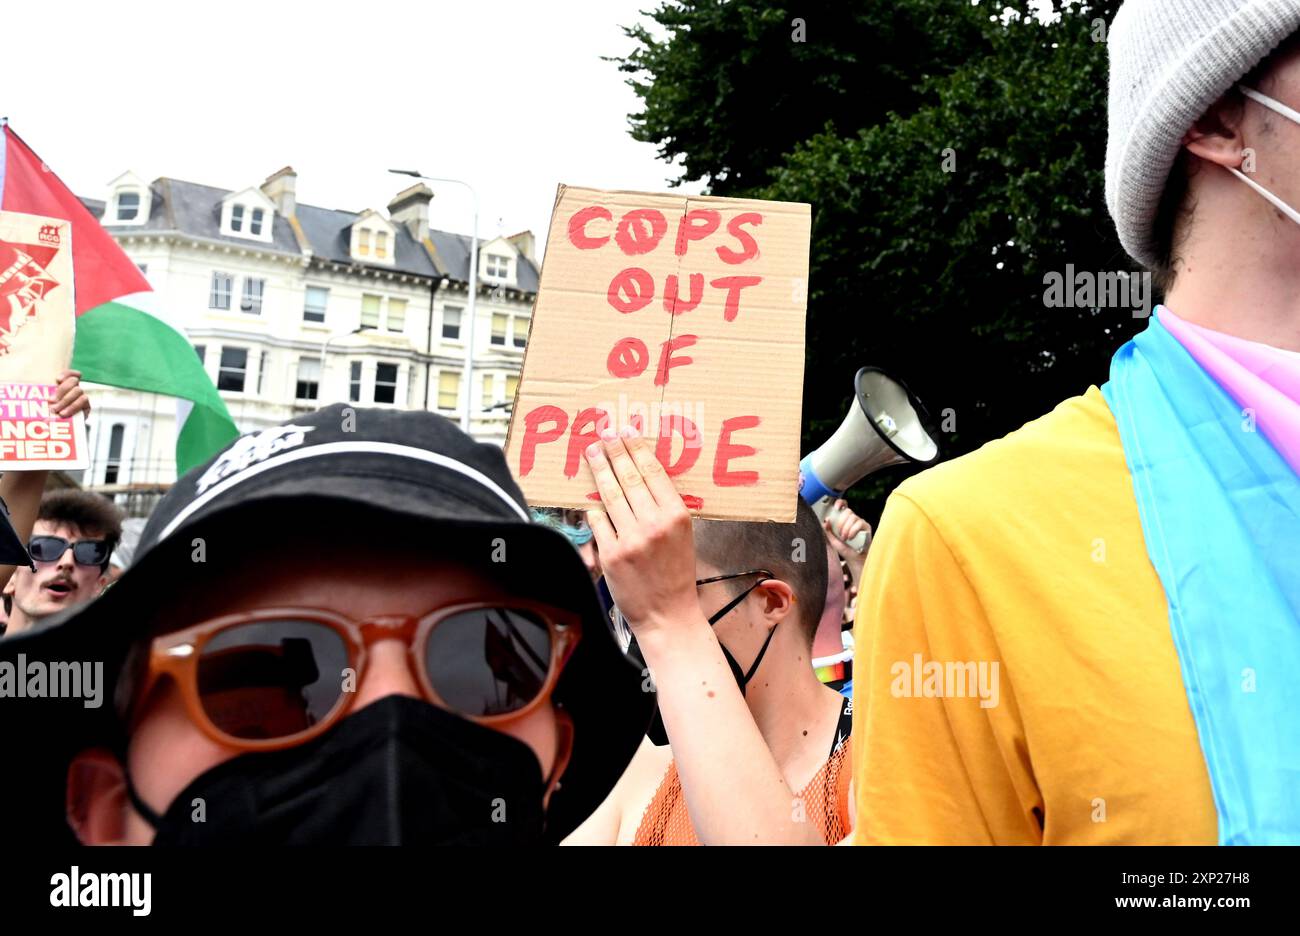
column 825, row 802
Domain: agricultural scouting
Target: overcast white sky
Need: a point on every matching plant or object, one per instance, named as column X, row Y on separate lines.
column 512, row 96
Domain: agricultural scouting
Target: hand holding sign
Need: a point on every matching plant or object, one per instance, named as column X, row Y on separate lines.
column 71, row 399
column 647, row 547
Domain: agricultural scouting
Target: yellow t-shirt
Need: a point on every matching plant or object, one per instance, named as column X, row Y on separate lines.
column 1027, row 554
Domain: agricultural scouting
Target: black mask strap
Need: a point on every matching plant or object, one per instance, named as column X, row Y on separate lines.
column 733, row 602
column 144, row 809
column 742, row 678
column 757, row 660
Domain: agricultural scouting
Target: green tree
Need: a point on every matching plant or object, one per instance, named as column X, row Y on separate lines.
column 734, row 85
column 935, row 225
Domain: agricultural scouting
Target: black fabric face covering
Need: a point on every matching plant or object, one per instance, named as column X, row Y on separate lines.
column 656, row 731
column 398, row 772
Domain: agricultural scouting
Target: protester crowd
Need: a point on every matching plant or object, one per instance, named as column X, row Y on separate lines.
column 365, row 634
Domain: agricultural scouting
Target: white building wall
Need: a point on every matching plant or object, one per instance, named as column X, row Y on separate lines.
column 180, row 271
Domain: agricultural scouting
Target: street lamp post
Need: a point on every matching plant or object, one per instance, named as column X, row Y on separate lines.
column 324, row 346
column 473, row 287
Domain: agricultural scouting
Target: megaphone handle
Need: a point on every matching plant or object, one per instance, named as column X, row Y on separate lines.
column 859, row 541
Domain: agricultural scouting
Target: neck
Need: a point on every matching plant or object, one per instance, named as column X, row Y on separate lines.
column 1239, row 273
column 788, row 702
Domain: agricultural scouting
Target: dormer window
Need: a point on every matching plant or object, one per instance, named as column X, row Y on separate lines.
column 128, row 206
column 373, row 239
column 247, row 214
column 128, row 200
column 497, row 261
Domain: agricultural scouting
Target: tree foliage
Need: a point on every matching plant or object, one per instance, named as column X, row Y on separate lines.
column 728, row 92
column 935, row 275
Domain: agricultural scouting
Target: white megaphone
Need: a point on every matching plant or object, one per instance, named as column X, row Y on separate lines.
column 883, row 429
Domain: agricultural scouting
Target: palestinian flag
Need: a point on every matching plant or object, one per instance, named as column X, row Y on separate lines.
column 120, row 341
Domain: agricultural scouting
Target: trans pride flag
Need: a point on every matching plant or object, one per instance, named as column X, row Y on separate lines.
column 1210, row 426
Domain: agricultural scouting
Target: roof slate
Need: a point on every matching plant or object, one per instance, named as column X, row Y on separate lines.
column 191, row 208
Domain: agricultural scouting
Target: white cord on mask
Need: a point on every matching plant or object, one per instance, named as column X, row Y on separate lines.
column 1270, row 103
column 1289, row 114
column 1281, row 205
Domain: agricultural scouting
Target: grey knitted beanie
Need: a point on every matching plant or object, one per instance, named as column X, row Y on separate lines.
column 1169, row 61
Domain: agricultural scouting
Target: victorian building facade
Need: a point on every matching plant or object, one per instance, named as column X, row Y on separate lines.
column 291, row 307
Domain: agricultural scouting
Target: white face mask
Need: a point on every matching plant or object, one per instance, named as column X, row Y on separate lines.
column 1289, row 114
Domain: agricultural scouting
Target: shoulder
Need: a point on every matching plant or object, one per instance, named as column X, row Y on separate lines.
column 1066, row 464
column 650, row 763
column 991, row 532
column 615, row 820
column 1037, row 535
column 1073, row 439
column 640, row 783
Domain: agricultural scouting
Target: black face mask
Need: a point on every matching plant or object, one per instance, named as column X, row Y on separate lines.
column 398, row 772
column 656, row 732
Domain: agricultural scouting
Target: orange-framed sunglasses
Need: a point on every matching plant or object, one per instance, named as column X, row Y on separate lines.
column 270, row 679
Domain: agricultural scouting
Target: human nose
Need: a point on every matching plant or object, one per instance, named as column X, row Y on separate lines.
column 387, row 673
column 67, row 561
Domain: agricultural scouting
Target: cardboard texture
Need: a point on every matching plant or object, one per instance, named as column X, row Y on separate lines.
column 685, row 316
column 37, row 326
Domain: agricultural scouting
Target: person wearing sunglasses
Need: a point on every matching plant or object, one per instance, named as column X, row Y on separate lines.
column 21, row 491
column 341, row 630
column 755, row 748
column 21, row 494
column 70, row 546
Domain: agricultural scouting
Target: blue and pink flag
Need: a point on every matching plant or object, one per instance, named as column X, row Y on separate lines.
column 1210, row 426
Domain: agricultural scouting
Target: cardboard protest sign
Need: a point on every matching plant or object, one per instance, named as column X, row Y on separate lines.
column 37, row 325
column 681, row 315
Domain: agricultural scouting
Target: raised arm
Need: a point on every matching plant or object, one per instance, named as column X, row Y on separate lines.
column 735, row 792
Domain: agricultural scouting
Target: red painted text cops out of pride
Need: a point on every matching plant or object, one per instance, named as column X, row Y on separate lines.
column 640, row 232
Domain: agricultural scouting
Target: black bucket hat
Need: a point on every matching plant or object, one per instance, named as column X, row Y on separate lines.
column 408, row 469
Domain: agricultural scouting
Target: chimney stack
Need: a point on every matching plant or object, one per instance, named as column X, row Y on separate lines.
column 280, row 188
column 410, row 207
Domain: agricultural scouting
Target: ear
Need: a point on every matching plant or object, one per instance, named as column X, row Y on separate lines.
column 1217, row 137
column 778, row 600
column 96, row 798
